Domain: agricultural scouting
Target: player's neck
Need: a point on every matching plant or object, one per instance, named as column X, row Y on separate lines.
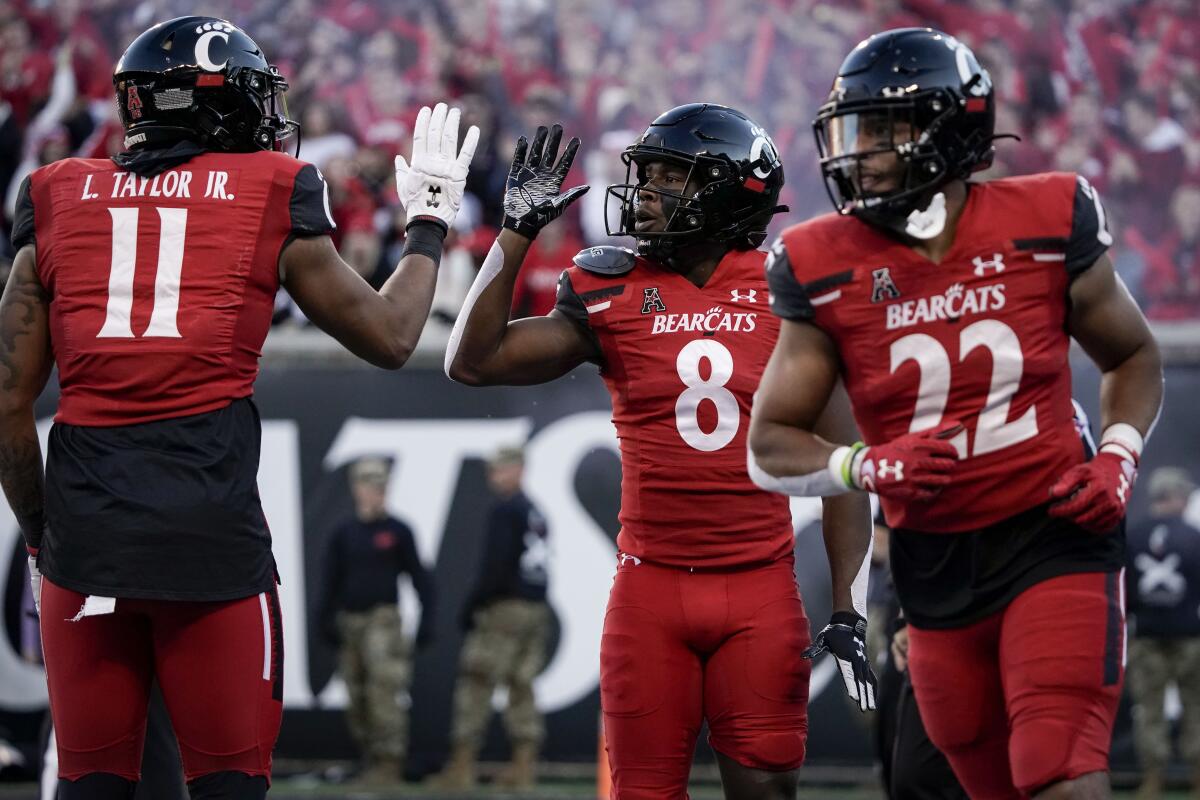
column 697, row 262
column 935, row 249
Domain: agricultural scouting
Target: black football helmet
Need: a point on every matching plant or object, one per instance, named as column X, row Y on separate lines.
column 927, row 80
column 202, row 79
column 731, row 162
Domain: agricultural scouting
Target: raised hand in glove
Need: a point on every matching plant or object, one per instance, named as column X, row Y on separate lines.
column 845, row 637
column 532, row 198
column 431, row 187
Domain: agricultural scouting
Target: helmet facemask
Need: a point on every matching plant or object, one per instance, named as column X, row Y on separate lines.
column 855, row 140
column 693, row 215
column 684, row 213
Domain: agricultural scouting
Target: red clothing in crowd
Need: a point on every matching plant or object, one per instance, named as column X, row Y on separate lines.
column 537, row 283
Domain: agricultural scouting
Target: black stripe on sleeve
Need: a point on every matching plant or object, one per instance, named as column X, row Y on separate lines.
column 573, row 306
column 1089, row 229
column 829, row 281
column 1041, row 243
column 23, row 230
column 789, row 299
column 310, row 204
column 600, row 294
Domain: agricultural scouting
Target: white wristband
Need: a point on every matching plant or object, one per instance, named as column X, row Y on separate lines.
column 1124, row 440
column 822, row 483
column 837, row 465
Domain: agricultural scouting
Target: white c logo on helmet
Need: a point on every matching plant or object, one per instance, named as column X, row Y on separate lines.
column 760, row 144
column 202, row 45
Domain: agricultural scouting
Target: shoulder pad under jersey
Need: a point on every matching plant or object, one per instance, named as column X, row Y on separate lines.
column 606, row 260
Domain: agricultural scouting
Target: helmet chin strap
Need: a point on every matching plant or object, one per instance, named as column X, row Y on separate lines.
column 928, row 223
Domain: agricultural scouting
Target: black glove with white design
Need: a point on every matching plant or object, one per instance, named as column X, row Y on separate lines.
column 846, row 638
column 531, row 197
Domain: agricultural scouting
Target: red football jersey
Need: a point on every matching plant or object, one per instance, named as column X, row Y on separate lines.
column 979, row 338
column 682, row 364
column 162, row 288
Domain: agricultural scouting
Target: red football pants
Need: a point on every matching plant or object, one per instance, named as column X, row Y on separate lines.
column 682, row 647
column 220, row 666
column 1027, row 697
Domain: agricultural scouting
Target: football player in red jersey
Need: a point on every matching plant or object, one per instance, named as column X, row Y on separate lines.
column 947, row 307
column 149, row 280
column 704, row 620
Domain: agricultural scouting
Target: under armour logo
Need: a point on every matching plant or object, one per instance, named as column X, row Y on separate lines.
column 982, row 265
column 626, row 558
column 882, row 285
column 896, row 469
column 432, row 200
column 751, row 296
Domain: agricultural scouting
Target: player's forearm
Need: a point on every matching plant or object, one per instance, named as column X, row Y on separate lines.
column 1132, row 391
column 846, row 527
column 409, row 290
column 21, row 472
column 472, row 353
column 782, row 455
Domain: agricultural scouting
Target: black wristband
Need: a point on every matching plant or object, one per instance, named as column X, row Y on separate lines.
column 851, row 620
column 521, row 227
column 424, row 237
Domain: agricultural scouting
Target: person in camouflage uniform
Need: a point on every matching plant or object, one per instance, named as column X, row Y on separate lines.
column 507, row 621
column 1164, row 601
column 361, row 613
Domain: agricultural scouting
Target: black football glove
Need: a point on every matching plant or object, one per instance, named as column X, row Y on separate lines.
column 846, row 638
column 531, row 196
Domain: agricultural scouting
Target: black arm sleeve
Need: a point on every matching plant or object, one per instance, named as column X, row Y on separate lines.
column 789, row 299
column 1089, row 229
column 22, row 229
column 309, row 205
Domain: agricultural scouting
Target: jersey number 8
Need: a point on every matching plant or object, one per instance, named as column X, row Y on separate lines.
column 687, row 407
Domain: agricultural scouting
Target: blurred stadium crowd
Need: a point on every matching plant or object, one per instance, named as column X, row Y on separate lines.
column 1108, row 88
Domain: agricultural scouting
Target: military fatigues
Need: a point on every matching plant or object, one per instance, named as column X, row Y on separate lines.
column 376, row 664
column 508, row 623
column 506, row 647
column 1164, row 599
column 361, row 611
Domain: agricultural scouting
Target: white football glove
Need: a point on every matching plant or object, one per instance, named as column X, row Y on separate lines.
column 35, row 583
column 431, row 188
